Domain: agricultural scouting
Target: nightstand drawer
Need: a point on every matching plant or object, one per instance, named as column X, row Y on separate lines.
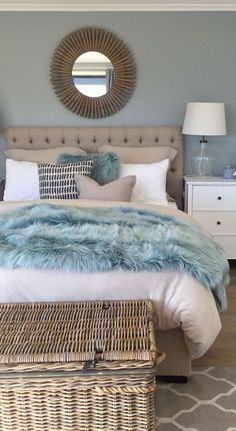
column 214, row 197
column 217, row 221
column 228, row 243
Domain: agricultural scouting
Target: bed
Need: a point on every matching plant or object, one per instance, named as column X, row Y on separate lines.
column 179, row 339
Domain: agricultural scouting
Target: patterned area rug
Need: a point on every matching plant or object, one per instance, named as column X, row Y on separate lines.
column 206, row 403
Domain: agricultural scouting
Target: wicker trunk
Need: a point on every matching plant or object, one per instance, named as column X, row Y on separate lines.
column 81, row 366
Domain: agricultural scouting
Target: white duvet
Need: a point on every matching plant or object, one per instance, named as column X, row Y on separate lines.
column 179, row 300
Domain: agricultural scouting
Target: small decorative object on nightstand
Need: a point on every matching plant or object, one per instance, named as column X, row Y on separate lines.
column 211, row 201
column 229, row 172
column 204, row 119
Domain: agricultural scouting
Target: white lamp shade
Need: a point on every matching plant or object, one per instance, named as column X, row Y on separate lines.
column 205, row 119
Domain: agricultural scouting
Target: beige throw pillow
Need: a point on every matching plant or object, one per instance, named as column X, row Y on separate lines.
column 141, row 154
column 49, row 155
column 119, row 190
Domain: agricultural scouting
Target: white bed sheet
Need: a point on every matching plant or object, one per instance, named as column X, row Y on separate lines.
column 179, row 300
column 172, row 205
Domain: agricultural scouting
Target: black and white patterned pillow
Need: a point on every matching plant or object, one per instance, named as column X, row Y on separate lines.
column 57, row 181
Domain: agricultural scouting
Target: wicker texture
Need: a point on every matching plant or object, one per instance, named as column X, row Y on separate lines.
column 77, row 404
column 43, row 352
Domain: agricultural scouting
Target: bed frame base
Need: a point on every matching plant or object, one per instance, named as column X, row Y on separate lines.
column 173, row 379
column 177, row 364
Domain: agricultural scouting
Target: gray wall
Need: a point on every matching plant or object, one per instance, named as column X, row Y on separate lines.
column 180, row 57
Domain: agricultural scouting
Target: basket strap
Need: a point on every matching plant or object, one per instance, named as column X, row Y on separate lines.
column 160, row 357
column 106, row 390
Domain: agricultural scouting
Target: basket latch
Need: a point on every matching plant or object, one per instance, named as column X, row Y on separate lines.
column 91, row 363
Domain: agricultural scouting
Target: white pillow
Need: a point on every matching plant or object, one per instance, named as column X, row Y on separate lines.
column 22, row 181
column 150, row 181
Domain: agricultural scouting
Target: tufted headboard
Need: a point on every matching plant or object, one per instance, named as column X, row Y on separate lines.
column 89, row 139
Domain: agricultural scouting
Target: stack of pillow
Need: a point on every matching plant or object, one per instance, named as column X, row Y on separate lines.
column 114, row 174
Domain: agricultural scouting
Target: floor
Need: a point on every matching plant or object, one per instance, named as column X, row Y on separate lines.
column 223, row 351
column 211, row 389
column 209, row 394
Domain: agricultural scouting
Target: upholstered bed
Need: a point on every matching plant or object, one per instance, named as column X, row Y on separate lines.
column 90, row 139
column 23, row 285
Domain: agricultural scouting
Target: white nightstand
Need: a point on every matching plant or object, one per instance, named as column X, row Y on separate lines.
column 211, row 201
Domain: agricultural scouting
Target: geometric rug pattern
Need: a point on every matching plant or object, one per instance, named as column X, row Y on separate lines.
column 206, row 403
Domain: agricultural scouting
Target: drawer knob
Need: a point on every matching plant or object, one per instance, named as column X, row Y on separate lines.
column 218, row 222
column 219, row 198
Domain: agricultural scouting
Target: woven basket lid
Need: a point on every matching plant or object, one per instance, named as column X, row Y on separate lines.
column 109, row 334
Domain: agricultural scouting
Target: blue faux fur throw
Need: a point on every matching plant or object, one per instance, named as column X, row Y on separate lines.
column 49, row 236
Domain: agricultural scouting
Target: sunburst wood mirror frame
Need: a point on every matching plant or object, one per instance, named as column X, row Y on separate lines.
column 79, row 42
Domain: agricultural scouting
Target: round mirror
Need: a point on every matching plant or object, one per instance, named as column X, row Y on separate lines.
column 93, row 74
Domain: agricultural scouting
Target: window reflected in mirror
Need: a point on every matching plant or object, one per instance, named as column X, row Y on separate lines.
column 93, row 74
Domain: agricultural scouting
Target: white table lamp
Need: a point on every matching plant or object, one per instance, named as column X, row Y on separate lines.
column 204, row 119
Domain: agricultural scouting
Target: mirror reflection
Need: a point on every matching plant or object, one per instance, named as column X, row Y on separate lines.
column 93, row 74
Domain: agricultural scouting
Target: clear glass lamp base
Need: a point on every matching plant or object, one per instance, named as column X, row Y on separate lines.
column 203, row 164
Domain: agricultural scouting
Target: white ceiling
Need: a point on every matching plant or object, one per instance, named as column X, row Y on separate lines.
column 118, row 5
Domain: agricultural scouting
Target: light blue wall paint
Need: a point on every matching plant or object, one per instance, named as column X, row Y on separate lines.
column 180, row 57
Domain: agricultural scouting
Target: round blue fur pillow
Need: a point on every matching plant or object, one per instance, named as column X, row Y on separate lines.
column 106, row 165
